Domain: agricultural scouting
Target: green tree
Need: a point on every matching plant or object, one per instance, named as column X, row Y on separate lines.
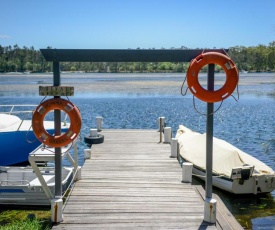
column 14, row 58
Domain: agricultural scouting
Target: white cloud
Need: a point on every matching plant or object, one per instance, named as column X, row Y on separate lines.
column 4, row 36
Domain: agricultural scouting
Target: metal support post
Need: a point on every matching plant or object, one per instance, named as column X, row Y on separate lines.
column 209, row 204
column 58, row 157
column 209, row 133
column 57, row 128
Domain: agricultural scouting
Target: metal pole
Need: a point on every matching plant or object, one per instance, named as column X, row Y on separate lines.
column 57, row 128
column 209, row 134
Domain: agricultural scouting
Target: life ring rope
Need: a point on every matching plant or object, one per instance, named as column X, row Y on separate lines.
column 229, row 67
column 56, row 104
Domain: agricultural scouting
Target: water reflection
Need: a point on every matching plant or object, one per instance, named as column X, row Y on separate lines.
column 264, row 223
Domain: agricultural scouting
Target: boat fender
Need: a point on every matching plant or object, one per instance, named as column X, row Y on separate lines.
column 56, row 104
column 229, row 67
column 91, row 140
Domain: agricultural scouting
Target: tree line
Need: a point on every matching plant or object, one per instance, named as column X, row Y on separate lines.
column 259, row 58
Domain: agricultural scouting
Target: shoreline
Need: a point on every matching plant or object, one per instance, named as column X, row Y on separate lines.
column 134, row 83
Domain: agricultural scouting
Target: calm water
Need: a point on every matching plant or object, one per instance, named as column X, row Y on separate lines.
column 136, row 101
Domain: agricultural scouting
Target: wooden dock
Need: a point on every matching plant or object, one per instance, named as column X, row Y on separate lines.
column 131, row 182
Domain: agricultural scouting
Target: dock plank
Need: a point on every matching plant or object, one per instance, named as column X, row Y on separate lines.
column 131, row 182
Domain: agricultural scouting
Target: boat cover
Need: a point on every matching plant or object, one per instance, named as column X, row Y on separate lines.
column 8, row 121
column 225, row 156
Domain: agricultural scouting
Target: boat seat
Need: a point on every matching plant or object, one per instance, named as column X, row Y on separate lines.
column 36, row 181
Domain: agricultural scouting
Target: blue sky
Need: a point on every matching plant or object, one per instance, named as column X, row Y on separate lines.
column 122, row 24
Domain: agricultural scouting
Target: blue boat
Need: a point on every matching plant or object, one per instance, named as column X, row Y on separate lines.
column 17, row 139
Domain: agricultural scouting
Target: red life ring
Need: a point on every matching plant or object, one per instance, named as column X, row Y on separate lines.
column 47, row 106
column 229, row 67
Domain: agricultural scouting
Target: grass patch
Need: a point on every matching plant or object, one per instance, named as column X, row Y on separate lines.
column 25, row 219
column 30, row 224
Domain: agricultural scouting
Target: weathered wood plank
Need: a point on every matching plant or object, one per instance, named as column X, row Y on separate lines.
column 147, row 225
column 131, row 182
column 90, row 199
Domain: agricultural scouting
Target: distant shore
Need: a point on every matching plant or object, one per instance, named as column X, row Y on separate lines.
column 137, row 83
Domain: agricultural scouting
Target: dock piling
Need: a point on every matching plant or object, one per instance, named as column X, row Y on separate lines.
column 167, row 135
column 210, row 206
column 87, row 154
column 174, row 147
column 99, row 123
column 187, row 172
column 93, row 132
column 56, row 210
column 161, row 122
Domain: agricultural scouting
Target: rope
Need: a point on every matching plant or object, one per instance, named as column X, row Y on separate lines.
column 44, row 147
column 71, row 186
column 27, row 139
column 182, row 88
column 194, row 105
column 43, row 100
column 183, row 94
column 236, row 99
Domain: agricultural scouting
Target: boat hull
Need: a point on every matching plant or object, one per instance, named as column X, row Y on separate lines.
column 16, row 145
column 256, row 184
column 20, row 185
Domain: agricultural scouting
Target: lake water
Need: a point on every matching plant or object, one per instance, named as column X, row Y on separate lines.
column 135, row 101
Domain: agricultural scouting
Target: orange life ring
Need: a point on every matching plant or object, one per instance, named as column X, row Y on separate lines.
column 229, row 67
column 47, row 106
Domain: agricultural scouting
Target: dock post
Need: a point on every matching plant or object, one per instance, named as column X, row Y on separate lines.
column 210, row 206
column 187, row 172
column 87, row 154
column 167, row 135
column 56, row 210
column 99, row 122
column 93, row 132
column 161, row 127
column 78, row 174
column 161, row 121
column 174, row 147
column 77, row 168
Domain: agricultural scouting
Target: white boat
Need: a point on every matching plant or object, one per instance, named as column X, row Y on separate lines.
column 21, row 186
column 243, row 71
column 35, row 185
column 233, row 170
column 17, row 139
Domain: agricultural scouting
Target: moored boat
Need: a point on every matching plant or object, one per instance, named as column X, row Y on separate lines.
column 233, row 170
column 21, row 186
column 34, row 185
column 17, row 139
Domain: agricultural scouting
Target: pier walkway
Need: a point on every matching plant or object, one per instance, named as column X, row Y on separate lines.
column 131, row 182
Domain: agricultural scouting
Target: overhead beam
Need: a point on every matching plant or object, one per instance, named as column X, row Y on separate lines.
column 122, row 55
